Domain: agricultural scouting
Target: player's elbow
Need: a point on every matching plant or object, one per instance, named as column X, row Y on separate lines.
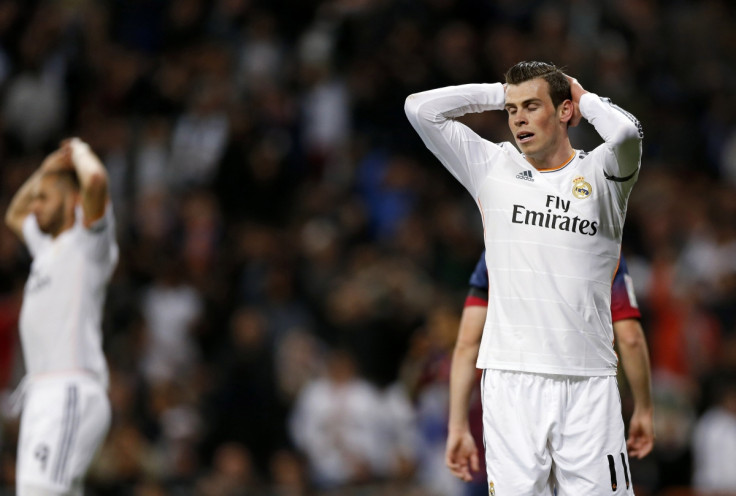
column 96, row 183
column 465, row 352
column 630, row 336
column 411, row 106
column 417, row 109
column 630, row 134
column 467, row 344
column 12, row 218
column 14, row 221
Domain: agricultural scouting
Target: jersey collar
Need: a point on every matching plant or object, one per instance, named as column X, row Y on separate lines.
column 560, row 167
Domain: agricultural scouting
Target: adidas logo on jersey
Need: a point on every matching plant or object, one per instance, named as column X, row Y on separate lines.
column 525, row 175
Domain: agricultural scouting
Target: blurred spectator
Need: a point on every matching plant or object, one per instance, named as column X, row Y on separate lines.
column 426, row 373
column 714, row 444
column 289, row 475
column 231, row 475
column 152, row 159
column 299, row 360
column 400, row 433
column 261, row 58
column 171, row 308
column 245, row 402
column 336, row 423
column 199, row 136
column 38, row 88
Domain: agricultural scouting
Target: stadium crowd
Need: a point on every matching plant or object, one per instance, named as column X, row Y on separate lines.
column 293, row 261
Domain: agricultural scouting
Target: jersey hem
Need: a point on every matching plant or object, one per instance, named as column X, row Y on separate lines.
column 64, row 375
column 546, row 370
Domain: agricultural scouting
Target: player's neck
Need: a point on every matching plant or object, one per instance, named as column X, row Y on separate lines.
column 68, row 223
column 62, row 230
column 554, row 160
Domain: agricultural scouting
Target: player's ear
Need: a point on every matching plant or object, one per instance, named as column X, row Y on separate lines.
column 566, row 110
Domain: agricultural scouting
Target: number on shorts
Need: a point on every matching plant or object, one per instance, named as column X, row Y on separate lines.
column 612, row 469
column 42, row 455
column 626, row 470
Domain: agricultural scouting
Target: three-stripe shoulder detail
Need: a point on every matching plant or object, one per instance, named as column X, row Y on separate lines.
column 628, row 115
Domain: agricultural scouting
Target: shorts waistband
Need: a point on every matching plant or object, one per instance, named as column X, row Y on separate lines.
column 60, row 376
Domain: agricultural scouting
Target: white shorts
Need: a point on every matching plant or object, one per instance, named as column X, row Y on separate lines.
column 64, row 421
column 542, row 431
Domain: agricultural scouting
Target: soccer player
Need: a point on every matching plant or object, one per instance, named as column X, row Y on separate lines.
column 64, row 216
column 462, row 453
column 553, row 218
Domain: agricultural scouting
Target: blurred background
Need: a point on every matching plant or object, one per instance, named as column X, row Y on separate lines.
column 294, row 261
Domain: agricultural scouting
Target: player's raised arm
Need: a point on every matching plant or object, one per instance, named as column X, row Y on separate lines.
column 21, row 204
column 621, row 131
column 92, row 179
column 432, row 114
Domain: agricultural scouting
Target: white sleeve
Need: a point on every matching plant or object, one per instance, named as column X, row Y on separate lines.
column 621, row 132
column 433, row 113
column 101, row 243
column 32, row 235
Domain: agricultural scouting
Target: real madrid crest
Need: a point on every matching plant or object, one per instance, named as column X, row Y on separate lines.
column 581, row 188
column 491, row 489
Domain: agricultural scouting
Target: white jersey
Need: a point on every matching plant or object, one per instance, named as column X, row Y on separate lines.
column 552, row 237
column 60, row 321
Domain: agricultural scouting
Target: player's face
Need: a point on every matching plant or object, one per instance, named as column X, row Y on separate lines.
column 51, row 205
column 534, row 121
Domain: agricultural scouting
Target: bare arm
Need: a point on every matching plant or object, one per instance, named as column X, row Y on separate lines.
column 634, row 353
column 92, row 179
column 461, row 454
column 20, row 205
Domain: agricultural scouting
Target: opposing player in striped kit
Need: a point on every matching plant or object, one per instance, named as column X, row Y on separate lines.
column 553, row 218
column 64, row 216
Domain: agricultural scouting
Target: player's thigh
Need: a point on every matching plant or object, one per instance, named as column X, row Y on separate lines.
column 94, row 423
column 515, row 426
column 62, row 426
column 589, row 449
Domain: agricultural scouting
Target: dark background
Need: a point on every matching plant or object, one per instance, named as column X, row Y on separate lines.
column 274, row 205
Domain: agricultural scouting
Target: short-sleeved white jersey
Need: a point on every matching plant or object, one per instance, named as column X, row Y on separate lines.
column 552, row 237
column 60, row 320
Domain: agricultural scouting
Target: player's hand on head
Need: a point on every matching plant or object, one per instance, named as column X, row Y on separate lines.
column 461, row 456
column 60, row 159
column 72, row 144
column 577, row 90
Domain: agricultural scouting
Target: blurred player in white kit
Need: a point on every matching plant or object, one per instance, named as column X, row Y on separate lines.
column 64, row 215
